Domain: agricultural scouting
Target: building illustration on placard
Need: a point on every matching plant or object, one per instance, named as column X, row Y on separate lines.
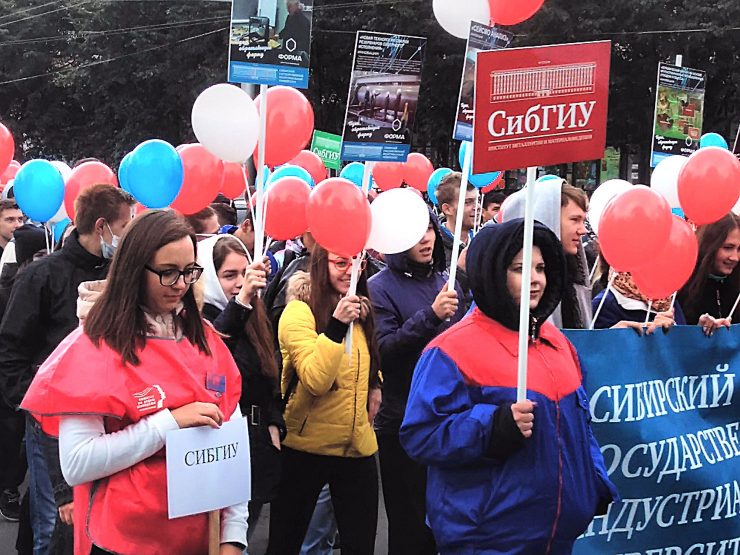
column 542, row 82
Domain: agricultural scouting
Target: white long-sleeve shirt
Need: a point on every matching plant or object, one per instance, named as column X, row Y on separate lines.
column 87, row 453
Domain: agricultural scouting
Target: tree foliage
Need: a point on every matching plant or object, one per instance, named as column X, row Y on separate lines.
column 95, row 78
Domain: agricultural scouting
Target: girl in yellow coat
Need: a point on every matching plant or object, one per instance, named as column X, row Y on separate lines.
column 333, row 398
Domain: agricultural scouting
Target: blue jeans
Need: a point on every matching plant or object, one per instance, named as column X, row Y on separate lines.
column 320, row 535
column 41, row 494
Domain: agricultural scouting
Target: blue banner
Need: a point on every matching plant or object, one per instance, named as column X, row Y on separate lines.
column 664, row 411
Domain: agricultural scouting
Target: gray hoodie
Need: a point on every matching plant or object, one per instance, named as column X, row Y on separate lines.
column 547, row 212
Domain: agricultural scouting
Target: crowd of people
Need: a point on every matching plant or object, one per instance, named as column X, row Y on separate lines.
column 135, row 326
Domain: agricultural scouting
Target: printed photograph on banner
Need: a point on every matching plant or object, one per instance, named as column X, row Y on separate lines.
column 679, row 112
column 383, row 97
column 540, row 106
column 481, row 38
column 270, row 42
column 328, row 147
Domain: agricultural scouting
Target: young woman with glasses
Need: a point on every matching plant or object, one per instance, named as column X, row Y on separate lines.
column 232, row 303
column 143, row 363
column 333, row 398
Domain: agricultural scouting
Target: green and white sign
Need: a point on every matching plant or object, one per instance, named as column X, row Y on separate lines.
column 328, row 147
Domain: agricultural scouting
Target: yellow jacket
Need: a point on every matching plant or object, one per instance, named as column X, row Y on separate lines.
column 327, row 413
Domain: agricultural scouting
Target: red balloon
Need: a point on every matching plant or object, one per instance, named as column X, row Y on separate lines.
column 310, row 162
column 7, row 147
column 233, row 182
column 83, row 176
column 289, row 124
column 634, row 227
column 388, row 175
column 709, row 184
column 286, row 208
column 509, row 12
column 10, row 171
column 203, row 174
column 672, row 266
column 417, row 170
column 338, row 216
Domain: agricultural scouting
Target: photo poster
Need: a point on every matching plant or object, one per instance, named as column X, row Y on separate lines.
column 480, row 39
column 679, row 112
column 270, row 42
column 383, row 97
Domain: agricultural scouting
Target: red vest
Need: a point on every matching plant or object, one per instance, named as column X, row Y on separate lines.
column 126, row 512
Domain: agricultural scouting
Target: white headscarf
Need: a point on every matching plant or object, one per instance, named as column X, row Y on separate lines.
column 213, row 292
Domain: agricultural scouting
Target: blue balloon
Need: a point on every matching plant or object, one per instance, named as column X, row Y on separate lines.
column 59, row 228
column 289, row 170
column 713, row 139
column 39, row 190
column 353, row 172
column 155, row 173
column 266, row 173
column 123, row 173
column 433, row 183
column 478, row 180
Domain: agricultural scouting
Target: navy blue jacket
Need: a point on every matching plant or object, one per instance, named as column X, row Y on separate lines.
column 402, row 296
column 612, row 313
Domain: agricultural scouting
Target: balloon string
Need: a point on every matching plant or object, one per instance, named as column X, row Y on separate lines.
column 48, row 239
column 248, row 194
column 647, row 317
column 673, row 300
column 734, row 307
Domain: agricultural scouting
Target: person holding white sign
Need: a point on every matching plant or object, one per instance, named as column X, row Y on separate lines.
column 143, row 363
column 520, row 478
column 333, row 399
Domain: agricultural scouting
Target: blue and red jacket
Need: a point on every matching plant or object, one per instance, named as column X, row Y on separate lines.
column 536, row 500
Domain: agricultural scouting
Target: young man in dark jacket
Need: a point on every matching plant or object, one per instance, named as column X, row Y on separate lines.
column 412, row 306
column 41, row 312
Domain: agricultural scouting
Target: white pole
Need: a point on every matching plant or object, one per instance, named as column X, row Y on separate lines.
column 673, row 300
column 729, row 316
column 603, row 299
column 355, row 277
column 259, row 227
column 458, row 221
column 593, row 270
column 521, row 387
column 647, row 316
column 679, row 60
column 367, row 175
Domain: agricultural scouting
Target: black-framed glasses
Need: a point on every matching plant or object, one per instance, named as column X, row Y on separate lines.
column 169, row 277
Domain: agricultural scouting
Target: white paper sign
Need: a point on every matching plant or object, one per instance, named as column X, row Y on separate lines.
column 207, row 469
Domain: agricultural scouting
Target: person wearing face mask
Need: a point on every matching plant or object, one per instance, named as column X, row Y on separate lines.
column 232, row 304
column 563, row 208
column 711, row 292
column 41, row 312
column 412, row 305
column 332, row 400
column 144, row 336
column 506, row 476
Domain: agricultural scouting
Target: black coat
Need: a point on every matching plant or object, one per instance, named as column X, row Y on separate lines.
column 41, row 311
column 716, row 299
column 259, row 402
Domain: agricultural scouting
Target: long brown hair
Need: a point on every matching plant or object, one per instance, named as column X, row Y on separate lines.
column 257, row 328
column 711, row 237
column 117, row 317
column 324, row 299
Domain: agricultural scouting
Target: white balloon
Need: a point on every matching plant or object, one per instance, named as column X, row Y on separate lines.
column 225, row 121
column 455, row 15
column 400, row 218
column 63, row 168
column 602, row 196
column 665, row 178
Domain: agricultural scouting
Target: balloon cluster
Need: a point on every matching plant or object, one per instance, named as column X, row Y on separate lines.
column 637, row 231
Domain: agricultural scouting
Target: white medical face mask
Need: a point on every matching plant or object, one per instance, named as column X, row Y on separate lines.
column 109, row 249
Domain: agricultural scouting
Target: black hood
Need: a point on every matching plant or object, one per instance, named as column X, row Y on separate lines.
column 29, row 240
column 400, row 262
column 489, row 256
